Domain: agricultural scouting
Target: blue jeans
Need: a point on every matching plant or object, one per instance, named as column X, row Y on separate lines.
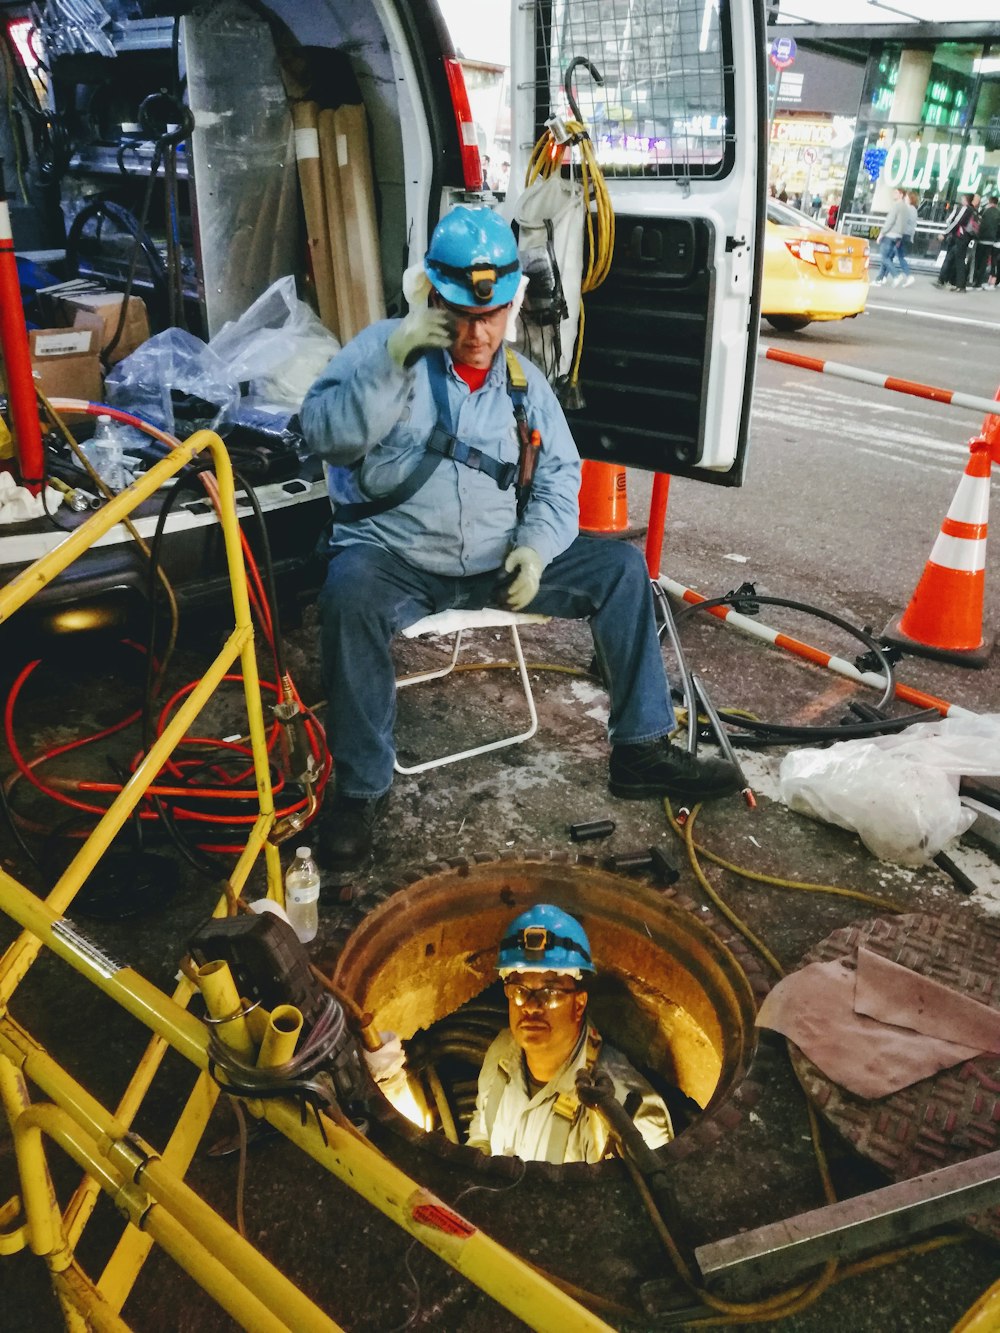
column 887, row 252
column 899, row 254
column 370, row 594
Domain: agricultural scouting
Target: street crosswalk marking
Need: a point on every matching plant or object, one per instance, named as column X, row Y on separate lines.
column 894, row 436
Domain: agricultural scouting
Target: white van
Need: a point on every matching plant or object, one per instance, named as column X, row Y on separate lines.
column 671, row 91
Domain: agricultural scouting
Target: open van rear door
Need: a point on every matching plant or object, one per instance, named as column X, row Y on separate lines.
column 670, row 336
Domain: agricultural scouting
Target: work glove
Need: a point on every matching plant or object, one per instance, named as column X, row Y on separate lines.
column 422, row 329
column 388, row 1062
column 526, row 565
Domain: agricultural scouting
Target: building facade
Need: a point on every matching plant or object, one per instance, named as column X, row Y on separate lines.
column 925, row 117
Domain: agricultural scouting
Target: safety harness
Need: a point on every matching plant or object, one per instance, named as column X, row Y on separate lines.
column 441, row 443
column 566, row 1110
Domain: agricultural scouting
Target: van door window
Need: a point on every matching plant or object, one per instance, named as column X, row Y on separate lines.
column 665, row 105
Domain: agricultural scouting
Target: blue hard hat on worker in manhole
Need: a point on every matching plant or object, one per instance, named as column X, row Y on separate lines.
column 472, row 258
column 545, row 939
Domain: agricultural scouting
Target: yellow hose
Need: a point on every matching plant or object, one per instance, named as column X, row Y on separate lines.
column 547, row 159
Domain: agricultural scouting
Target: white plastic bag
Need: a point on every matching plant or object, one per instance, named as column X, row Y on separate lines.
column 550, row 216
column 171, row 368
column 898, row 793
column 278, row 346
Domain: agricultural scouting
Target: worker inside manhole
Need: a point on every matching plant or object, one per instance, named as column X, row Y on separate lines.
column 501, row 1073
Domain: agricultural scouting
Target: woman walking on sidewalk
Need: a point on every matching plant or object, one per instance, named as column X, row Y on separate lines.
column 890, row 235
column 909, row 224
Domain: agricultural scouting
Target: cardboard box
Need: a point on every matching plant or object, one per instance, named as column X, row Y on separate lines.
column 66, row 363
column 107, row 305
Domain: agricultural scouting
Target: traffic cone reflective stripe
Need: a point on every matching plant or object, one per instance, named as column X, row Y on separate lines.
column 945, row 615
column 603, row 497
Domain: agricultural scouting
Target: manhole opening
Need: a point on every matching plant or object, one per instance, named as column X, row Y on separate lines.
column 668, row 992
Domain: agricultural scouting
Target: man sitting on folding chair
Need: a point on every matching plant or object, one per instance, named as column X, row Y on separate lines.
column 454, row 481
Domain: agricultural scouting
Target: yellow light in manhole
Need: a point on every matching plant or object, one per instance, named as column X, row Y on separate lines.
column 668, row 993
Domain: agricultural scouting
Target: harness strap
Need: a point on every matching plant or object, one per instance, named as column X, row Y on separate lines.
column 567, row 1107
column 493, row 1099
column 449, row 446
column 442, row 444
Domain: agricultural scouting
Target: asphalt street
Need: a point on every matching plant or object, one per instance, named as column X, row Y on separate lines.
column 846, row 490
column 847, row 484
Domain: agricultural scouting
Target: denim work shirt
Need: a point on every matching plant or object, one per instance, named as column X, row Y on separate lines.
column 369, row 420
column 523, row 1120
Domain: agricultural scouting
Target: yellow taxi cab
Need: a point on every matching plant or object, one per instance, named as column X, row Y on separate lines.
column 810, row 272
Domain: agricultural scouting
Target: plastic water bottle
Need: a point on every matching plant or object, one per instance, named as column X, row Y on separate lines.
column 302, row 895
column 107, row 455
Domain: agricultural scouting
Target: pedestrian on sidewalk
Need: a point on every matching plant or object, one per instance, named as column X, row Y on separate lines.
column 890, row 235
column 987, row 258
column 905, row 278
column 963, row 224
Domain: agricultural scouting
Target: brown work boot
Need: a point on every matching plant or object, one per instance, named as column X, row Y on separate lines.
column 657, row 768
column 346, row 844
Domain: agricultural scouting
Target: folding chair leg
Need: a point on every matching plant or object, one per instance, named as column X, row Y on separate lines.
column 418, row 676
column 491, row 745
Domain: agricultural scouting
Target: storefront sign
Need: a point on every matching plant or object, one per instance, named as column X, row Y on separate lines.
column 912, row 165
column 818, row 133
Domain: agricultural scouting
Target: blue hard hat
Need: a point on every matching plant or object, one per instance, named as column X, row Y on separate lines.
column 545, row 939
column 472, row 258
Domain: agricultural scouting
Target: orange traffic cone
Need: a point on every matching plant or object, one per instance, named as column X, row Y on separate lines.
column 945, row 616
column 603, row 498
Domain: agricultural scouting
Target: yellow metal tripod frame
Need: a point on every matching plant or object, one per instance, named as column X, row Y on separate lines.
column 148, row 1186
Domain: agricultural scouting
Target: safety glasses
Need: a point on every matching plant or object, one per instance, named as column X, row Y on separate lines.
column 548, row 997
column 475, row 316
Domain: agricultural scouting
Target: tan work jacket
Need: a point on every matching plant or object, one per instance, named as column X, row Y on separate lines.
column 552, row 1125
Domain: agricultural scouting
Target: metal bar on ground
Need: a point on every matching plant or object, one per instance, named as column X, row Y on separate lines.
column 952, row 397
column 722, row 736
column 831, row 661
column 780, row 1250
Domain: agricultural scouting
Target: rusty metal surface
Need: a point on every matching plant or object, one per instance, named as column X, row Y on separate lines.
column 955, row 1114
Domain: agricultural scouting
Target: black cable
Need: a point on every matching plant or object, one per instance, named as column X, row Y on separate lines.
column 204, row 863
column 8, row 813
column 267, row 564
column 183, row 483
column 774, row 733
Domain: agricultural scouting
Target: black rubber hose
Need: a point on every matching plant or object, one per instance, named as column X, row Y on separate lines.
column 278, row 642
column 774, row 733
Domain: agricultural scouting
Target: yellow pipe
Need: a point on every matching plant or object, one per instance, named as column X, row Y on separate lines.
column 222, row 1000
column 21, row 954
column 280, row 1036
column 350, row 1158
column 81, row 1205
column 43, row 1222
column 243, row 1282
column 71, row 1296
column 508, row 1279
column 257, row 1021
column 13, row 1241
column 984, row 1316
column 122, row 1269
column 31, row 580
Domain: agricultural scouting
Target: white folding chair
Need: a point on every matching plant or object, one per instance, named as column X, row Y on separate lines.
column 457, row 623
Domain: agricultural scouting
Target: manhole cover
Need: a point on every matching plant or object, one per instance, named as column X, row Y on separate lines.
column 955, row 1114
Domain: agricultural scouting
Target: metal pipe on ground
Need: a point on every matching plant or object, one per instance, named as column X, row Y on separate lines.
column 831, row 661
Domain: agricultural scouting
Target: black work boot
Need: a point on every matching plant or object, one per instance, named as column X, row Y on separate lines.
column 657, row 768
column 345, row 835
